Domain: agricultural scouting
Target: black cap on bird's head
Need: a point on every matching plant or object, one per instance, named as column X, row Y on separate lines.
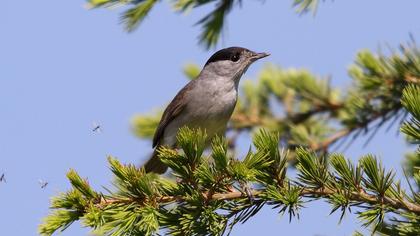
column 234, row 54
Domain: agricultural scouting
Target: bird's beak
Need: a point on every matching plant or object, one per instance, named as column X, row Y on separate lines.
column 257, row 56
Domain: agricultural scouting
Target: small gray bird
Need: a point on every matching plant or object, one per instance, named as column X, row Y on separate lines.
column 206, row 102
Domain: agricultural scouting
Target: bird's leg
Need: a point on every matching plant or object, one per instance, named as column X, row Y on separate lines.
column 246, row 188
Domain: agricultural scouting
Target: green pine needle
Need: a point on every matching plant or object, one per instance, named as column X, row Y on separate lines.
column 377, row 179
column 135, row 15
column 313, row 171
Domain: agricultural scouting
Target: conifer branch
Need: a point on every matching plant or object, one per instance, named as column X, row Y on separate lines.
column 212, row 24
column 324, row 145
column 206, row 184
column 360, row 196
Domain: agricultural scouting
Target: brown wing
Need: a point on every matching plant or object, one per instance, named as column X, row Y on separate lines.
column 173, row 110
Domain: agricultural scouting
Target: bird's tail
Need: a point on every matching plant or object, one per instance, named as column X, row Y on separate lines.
column 155, row 165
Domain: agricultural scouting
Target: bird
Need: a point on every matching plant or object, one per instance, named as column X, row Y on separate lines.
column 206, row 102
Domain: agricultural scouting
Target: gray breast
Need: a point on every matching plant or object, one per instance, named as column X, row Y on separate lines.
column 209, row 107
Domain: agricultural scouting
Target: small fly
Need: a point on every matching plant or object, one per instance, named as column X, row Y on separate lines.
column 42, row 183
column 97, row 128
column 2, row 178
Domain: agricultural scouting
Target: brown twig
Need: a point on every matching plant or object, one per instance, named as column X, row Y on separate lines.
column 302, row 117
column 329, row 141
column 245, row 121
column 324, row 145
column 412, row 79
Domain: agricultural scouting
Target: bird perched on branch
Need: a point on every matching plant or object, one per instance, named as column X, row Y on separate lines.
column 206, row 102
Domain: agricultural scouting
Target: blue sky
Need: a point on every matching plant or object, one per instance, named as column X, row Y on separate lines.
column 62, row 67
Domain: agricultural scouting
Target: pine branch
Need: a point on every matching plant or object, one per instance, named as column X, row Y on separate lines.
column 209, row 193
column 324, row 145
column 243, row 122
column 361, row 196
column 212, row 24
column 304, row 6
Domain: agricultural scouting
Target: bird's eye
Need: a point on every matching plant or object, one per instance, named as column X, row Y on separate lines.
column 235, row 57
